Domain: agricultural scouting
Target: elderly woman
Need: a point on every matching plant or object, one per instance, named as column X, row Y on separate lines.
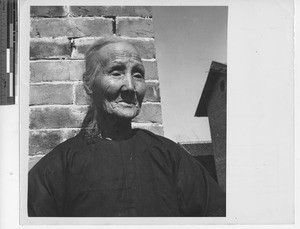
column 110, row 169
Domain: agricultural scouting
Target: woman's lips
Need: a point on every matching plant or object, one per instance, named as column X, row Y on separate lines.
column 127, row 103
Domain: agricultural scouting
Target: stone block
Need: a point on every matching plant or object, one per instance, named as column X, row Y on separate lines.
column 152, row 92
column 43, row 141
column 76, row 69
column 47, row 11
column 144, row 46
column 91, row 11
column 56, row 70
column 47, row 48
column 81, row 97
column 150, row 113
column 134, row 27
column 53, row 117
column 51, row 94
column 81, row 47
column 71, row 27
column 151, row 70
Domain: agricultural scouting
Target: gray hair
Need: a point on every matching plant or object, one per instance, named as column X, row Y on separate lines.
column 92, row 61
column 90, row 126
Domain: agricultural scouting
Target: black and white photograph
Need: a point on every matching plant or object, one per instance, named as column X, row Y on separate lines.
column 127, row 118
column 146, row 114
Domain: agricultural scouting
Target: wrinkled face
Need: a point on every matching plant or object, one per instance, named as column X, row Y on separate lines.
column 120, row 87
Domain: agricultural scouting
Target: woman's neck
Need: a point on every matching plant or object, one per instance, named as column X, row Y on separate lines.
column 114, row 128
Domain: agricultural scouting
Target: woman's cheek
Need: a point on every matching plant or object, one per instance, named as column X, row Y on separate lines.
column 141, row 91
column 111, row 90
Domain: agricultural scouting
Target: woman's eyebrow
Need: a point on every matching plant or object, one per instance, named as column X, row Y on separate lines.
column 119, row 67
column 115, row 62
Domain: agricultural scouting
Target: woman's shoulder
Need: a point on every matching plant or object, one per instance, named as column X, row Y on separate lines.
column 161, row 142
column 155, row 138
column 69, row 145
column 72, row 142
column 165, row 144
column 59, row 155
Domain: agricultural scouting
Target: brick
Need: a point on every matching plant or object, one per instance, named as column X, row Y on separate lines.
column 76, row 69
column 49, row 48
column 48, row 71
column 51, row 94
column 57, row 117
column 152, row 92
column 43, row 141
column 150, row 112
column 81, row 47
column 81, row 98
column 135, row 27
column 151, row 70
column 47, row 11
column 144, row 46
column 91, row 11
column 56, row 70
column 154, row 128
column 71, row 27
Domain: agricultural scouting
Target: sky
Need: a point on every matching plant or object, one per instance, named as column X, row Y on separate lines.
column 187, row 40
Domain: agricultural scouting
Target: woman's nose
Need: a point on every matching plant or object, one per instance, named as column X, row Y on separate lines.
column 128, row 89
column 129, row 82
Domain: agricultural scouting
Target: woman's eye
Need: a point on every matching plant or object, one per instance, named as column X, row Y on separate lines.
column 138, row 75
column 115, row 73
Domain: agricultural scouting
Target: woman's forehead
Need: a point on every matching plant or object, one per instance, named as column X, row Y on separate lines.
column 119, row 50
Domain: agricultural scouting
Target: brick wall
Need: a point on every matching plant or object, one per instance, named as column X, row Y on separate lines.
column 60, row 36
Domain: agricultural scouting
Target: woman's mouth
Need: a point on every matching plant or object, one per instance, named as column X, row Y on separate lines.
column 127, row 103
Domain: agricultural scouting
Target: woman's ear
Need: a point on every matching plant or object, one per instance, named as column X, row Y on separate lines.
column 88, row 89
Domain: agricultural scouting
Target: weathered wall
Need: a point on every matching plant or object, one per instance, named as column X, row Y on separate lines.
column 60, row 36
column 216, row 110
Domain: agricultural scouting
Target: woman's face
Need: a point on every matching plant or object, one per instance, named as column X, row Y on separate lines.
column 120, row 87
